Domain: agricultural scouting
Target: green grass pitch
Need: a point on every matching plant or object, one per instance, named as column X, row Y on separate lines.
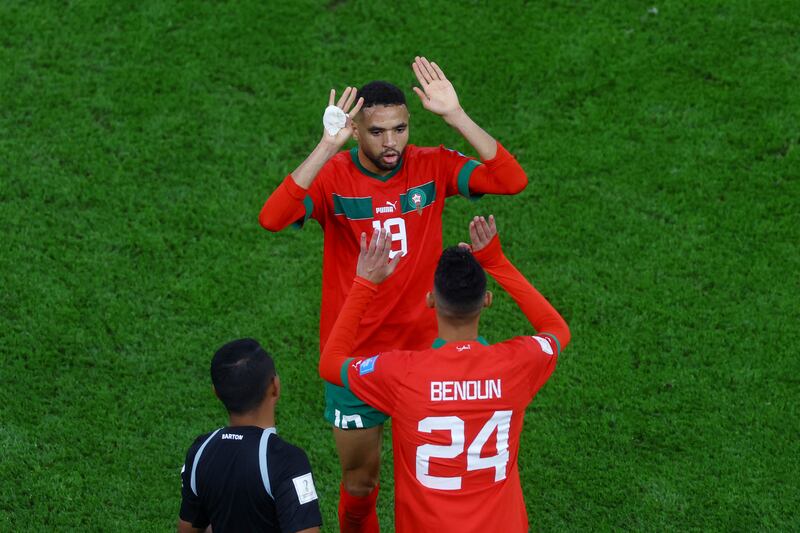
column 138, row 141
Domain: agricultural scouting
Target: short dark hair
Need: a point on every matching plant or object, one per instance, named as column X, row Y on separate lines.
column 459, row 284
column 381, row 93
column 241, row 371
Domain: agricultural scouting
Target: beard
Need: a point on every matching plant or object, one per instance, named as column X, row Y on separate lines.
column 378, row 160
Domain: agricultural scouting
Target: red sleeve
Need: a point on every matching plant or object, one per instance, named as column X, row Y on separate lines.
column 544, row 358
column 290, row 203
column 375, row 379
column 542, row 316
column 368, row 378
column 342, row 337
column 456, row 169
column 472, row 178
column 499, row 175
column 542, row 351
column 534, row 357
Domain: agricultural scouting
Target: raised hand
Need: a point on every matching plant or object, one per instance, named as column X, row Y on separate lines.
column 481, row 233
column 437, row 93
column 373, row 262
column 345, row 104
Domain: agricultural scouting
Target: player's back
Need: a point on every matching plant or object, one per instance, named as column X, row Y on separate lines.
column 456, row 433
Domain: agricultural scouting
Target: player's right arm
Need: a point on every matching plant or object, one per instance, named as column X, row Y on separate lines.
column 542, row 316
column 372, row 379
column 186, row 527
column 287, row 203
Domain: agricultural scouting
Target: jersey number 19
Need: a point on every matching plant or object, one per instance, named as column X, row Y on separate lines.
column 396, row 227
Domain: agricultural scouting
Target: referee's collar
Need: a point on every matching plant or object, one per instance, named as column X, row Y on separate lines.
column 249, row 426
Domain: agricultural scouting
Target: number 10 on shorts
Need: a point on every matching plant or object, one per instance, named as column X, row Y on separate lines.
column 396, row 227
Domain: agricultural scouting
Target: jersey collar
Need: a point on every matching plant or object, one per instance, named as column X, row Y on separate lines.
column 438, row 343
column 360, row 167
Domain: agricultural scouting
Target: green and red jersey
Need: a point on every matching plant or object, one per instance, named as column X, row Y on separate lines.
column 347, row 199
column 457, row 409
column 457, row 414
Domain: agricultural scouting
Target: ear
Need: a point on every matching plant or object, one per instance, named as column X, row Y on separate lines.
column 355, row 128
column 275, row 389
column 487, row 299
column 430, row 301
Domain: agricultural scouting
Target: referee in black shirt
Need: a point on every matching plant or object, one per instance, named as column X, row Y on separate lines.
column 244, row 477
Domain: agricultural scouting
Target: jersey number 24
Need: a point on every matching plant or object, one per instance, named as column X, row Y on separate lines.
column 500, row 421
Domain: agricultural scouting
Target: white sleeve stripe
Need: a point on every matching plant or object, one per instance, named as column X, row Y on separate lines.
column 544, row 344
column 193, row 483
column 262, row 459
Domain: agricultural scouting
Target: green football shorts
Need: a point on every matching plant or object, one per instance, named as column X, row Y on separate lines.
column 345, row 411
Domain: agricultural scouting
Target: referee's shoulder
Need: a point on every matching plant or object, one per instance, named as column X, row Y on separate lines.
column 283, row 447
column 288, row 456
column 197, row 443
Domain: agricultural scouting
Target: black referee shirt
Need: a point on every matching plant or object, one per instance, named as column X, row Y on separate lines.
column 248, row 479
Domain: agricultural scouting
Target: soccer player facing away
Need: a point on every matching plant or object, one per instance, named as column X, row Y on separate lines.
column 244, row 477
column 457, row 408
column 384, row 183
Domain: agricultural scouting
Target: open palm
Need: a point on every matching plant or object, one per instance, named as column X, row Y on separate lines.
column 345, row 103
column 437, row 93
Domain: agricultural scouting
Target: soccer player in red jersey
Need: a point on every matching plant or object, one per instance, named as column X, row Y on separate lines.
column 389, row 184
column 457, row 408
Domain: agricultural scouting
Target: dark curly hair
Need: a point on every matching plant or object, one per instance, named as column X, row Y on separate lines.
column 381, row 93
column 459, row 284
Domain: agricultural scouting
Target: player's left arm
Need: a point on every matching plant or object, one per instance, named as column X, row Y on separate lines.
column 540, row 313
column 500, row 172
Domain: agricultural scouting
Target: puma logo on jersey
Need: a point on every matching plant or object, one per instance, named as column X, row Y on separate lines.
column 390, row 207
column 462, row 348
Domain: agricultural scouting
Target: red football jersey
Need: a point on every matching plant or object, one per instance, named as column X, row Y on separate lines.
column 347, row 199
column 457, row 411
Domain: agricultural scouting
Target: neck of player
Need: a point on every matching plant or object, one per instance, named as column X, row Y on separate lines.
column 262, row 416
column 451, row 331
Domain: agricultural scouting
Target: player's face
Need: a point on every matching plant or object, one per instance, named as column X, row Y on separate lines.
column 382, row 134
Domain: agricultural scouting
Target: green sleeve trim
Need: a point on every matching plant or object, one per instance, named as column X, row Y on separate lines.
column 343, row 373
column 309, row 205
column 558, row 344
column 463, row 179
